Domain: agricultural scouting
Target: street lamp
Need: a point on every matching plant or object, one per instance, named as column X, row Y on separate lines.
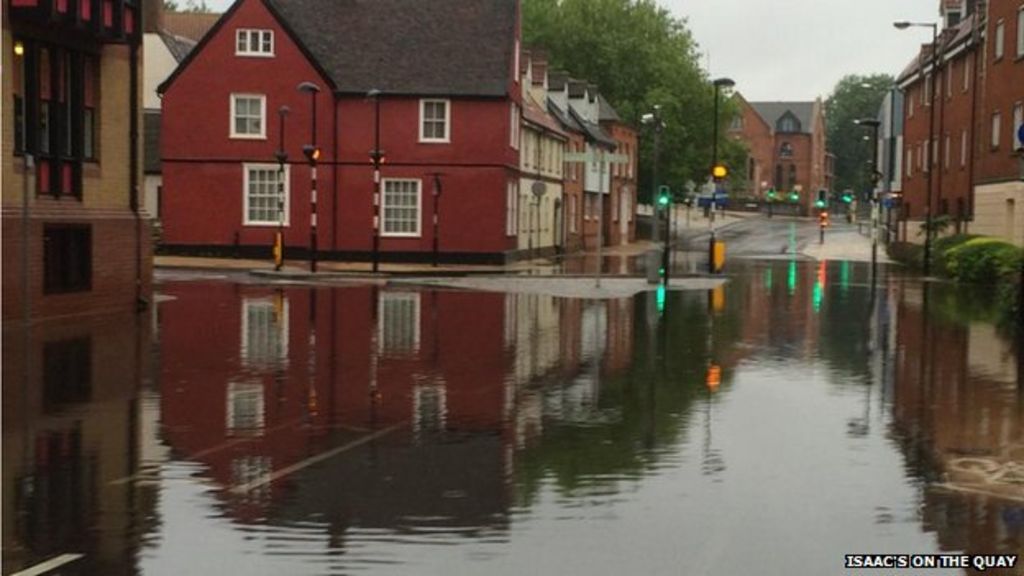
column 873, row 124
column 719, row 84
column 312, row 153
column 282, row 156
column 653, row 119
column 377, row 157
column 931, row 135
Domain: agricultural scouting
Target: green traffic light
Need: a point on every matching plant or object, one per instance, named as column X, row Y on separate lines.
column 847, row 198
column 794, row 197
column 820, row 203
column 663, row 200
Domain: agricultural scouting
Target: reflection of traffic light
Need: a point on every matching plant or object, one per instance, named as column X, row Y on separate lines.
column 664, row 196
column 794, row 196
column 719, row 172
column 660, row 298
column 819, row 287
column 714, row 376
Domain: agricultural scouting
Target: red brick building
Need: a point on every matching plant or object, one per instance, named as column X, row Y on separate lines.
column 978, row 100
column 73, row 238
column 449, row 120
column 787, row 150
column 620, row 204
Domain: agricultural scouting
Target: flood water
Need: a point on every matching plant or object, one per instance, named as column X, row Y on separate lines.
column 775, row 425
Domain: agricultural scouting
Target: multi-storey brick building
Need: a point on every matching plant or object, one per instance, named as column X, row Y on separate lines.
column 963, row 103
column 73, row 237
column 787, row 150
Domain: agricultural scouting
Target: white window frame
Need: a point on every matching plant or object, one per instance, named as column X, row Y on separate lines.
column 384, row 204
column 573, row 214
column 514, row 120
column 910, row 162
column 447, row 138
column 1000, row 40
column 248, row 352
column 1018, row 119
column 997, row 129
column 511, row 208
column 1020, row 32
column 967, row 74
column 949, row 80
column 248, row 32
column 963, row 148
column 263, row 117
column 945, row 154
column 383, row 345
column 248, row 167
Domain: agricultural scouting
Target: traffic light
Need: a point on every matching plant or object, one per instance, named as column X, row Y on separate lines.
column 822, row 199
column 823, row 220
column 311, row 152
column 719, row 172
column 664, row 196
column 847, row 197
column 771, row 193
column 794, row 196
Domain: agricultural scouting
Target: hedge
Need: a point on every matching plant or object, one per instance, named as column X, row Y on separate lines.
column 982, row 261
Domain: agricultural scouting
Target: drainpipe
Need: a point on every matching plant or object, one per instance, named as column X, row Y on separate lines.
column 133, row 165
column 334, row 177
column 974, row 111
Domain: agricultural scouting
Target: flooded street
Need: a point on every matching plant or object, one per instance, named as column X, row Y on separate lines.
column 791, row 417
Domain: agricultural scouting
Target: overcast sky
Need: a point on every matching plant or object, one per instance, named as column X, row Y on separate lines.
column 797, row 49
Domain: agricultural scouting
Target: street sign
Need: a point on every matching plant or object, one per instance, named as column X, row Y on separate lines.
column 591, row 157
column 1020, row 137
column 538, row 188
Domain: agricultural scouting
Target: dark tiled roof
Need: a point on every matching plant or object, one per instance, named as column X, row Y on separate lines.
column 191, row 25
column 594, row 132
column 179, row 46
column 773, row 111
column 415, row 47
column 538, row 116
column 151, row 142
column 606, row 113
column 949, row 40
column 557, row 79
column 564, row 118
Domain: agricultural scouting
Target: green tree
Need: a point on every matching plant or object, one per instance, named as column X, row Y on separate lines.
column 853, row 98
column 199, row 6
column 639, row 55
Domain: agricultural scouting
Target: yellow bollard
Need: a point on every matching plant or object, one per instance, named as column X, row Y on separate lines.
column 278, row 251
column 719, row 256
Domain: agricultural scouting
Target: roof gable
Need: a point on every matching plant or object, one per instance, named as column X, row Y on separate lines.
column 773, row 113
column 414, row 47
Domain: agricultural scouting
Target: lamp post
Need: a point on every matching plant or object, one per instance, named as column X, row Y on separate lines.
column 931, row 136
column 282, row 156
column 312, row 153
column 653, row 119
column 873, row 124
column 718, row 84
column 376, row 156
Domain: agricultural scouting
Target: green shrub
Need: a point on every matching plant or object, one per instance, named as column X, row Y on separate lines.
column 982, row 261
column 940, row 246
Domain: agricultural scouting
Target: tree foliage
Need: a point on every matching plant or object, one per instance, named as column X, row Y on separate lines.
column 197, row 6
column 639, row 55
column 853, row 98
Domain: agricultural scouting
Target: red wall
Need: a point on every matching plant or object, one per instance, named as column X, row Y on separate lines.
column 203, row 176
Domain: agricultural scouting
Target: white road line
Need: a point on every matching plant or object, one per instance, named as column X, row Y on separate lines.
column 49, row 565
column 243, row 488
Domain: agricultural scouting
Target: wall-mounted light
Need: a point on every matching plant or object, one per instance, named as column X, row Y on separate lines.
column 19, row 48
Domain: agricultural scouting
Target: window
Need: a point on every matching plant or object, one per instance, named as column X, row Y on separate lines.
column 18, row 71
column 949, row 80
column 264, row 200
column 792, row 177
column 264, row 331
column 997, row 120
column 737, row 123
column 945, row 161
column 250, row 42
column 247, row 114
column 927, row 94
column 778, row 177
column 910, row 163
column 1000, row 40
column 1020, row 33
column 1018, row 120
column 514, row 126
column 967, row 74
column 67, row 372
column 511, row 209
column 963, row 148
column 435, row 120
column 67, row 258
column 245, row 409
column 788, row 124
column 786, row 150
column 89, row 70
column 515, row 60
column 401, row 208
column 398, row 322
column 573, row 227
column 910, row 105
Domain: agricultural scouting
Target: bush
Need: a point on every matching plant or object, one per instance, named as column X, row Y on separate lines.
column 943, row 245
column 982, row 261
column 907, row 253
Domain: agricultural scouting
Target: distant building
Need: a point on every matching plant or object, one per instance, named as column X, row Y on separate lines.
column 73, row 228
column 788, row 151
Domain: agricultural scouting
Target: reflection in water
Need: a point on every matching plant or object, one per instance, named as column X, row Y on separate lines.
column 283, row 430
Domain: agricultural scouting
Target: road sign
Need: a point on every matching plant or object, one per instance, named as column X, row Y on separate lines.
column 1020, row 137
column 592, row 157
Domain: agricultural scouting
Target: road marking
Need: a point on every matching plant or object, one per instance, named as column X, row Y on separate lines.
column 212, row 449
column 49, row 565
column 248, row 486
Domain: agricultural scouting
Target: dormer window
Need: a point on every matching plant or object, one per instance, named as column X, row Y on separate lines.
column 788, row 124
column 251, row 42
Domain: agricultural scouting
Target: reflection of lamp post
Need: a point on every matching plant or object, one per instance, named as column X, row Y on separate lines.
column 931, row 136
column 718, row 84
column 282, row 157
column 873, row 124
column 377, row 156
column 312, row 153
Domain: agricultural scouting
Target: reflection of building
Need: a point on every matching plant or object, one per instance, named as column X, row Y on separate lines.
column 69, row 420
column 71, row 218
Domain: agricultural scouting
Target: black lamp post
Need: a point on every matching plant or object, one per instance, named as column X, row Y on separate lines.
column 719, row 84
column 873, row 124
column 654, row 119
column 377, row 157
column 312, row 153
column 931, row 136
column 282, row 156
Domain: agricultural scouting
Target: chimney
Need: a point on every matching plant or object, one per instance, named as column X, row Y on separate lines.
column 152, row 15
column 540, row 67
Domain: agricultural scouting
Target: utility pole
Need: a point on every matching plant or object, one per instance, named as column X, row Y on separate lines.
column 312, row 153
column 282, row 157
